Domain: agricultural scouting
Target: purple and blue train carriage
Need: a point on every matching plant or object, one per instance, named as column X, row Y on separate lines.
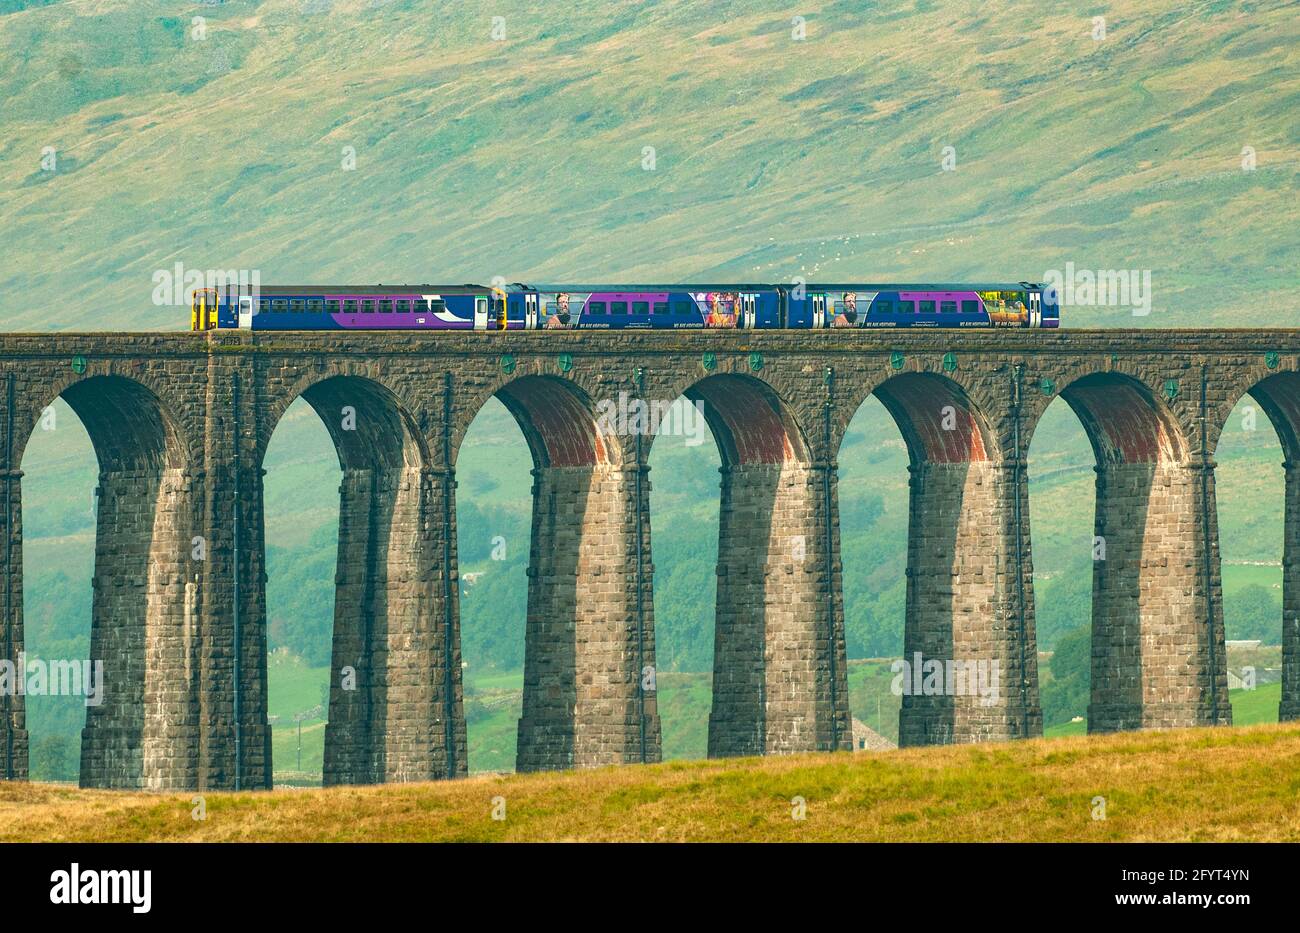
column 586, row 307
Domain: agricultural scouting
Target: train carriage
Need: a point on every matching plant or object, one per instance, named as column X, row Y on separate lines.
column 1019, row 304
column 595, row 307
column 658, row 306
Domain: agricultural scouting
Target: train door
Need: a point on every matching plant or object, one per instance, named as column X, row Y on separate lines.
column 497, row 316
column 480, row 312
column 746, row 317
column 819, row 310
column 1035, row 309
column 245, row 312
column 530, row 310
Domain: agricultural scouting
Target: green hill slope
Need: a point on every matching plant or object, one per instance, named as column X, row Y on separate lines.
column 529, row 157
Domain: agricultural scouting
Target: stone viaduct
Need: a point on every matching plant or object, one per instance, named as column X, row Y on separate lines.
column 180, row 423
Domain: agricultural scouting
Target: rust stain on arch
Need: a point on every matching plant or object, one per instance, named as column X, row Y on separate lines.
column 558, row 424
column 748, row 420
column 937, row 419
column 1125, row 423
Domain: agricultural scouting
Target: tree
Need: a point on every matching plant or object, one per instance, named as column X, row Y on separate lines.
column 1253, row 612
column 1066, row 694
column 52, row 759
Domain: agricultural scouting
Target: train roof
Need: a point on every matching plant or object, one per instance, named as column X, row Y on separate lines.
column 653, row 287
column 469, row 289
column 770, row 286
column 474, row 289
column 921, row 286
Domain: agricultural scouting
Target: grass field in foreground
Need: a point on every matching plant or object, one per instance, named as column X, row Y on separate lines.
column 1192, row 784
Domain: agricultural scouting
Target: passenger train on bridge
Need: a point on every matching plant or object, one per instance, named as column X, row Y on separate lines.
column 586, row 307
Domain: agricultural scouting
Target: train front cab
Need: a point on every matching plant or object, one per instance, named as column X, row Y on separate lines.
column 204, row 309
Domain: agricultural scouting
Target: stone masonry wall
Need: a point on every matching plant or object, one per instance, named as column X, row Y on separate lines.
column 771, row 643
column 1153, row 655
column 584, row 659
column 960, row 573
column 1290, row 705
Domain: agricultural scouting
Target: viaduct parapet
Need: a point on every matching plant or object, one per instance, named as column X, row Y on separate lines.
column 180, row 424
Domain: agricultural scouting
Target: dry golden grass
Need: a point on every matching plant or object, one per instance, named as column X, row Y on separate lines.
column 1195, row 784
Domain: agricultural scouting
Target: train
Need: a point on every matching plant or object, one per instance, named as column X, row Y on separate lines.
column 602, row 307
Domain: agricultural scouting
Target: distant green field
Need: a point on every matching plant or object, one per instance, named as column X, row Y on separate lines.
column 1249, row 708
column 493, row 703
column 295, row 688
column 1069, row 728
column 1235, row 576
column 1253, row 707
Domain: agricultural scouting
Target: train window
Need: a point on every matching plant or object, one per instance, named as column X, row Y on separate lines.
column 437, row 304
column 640, row 307
column 367, row 306
column 595, row 307
column 683, row 307
column 401, row 305
column 885, row 307
column 264, row 305
column 279, row 304
column 332, row 305
column 926, row 307
column 316, row 305
column 948, row 307
column 970, row 307
column 385, row 306
column 618, row 307
column 349, row 306
column 661, row 307
column 298, row 305
column 906, row 307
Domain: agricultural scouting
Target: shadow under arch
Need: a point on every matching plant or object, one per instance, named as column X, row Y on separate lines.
column 589, row 630
column 394, row 685
column 559, row 422
column 779, row 672
column 1279, row 396
column 969, row 670
column 1157, row 623
column 144, row 731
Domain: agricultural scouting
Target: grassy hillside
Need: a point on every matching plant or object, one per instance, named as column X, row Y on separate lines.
column 1186, row 785
column 398, row 141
